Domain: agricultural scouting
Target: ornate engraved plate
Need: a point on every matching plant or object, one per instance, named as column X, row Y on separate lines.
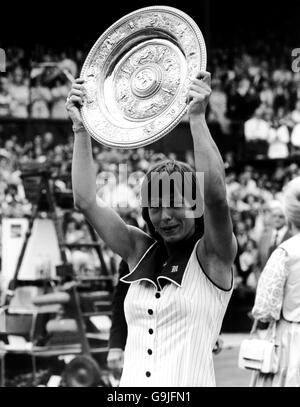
column 137, row 76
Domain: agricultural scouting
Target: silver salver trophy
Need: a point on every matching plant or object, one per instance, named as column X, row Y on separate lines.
column 137, row 76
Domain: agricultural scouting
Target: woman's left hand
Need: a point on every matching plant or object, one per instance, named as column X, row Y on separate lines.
column 199, row 94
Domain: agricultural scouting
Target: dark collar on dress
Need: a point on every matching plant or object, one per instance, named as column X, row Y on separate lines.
column 162, row 264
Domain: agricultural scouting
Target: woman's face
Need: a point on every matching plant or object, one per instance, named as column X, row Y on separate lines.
column 172, row 223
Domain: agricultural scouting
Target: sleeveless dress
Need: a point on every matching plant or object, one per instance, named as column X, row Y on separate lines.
column 278, row 299
column 172, row 329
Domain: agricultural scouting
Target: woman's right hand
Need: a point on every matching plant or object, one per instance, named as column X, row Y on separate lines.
column 75, row 100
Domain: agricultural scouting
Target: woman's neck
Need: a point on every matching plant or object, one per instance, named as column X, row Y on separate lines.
column 181, row 245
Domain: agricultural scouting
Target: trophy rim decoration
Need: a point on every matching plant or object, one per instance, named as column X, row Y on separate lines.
column 111, row 126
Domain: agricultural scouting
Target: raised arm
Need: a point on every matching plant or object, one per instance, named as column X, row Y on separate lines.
column 127, row 241
column 218, row 240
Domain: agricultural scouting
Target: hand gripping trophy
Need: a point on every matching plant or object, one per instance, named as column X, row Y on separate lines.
column 137, row 76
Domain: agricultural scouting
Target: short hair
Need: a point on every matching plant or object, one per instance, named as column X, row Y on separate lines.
column 169, row 167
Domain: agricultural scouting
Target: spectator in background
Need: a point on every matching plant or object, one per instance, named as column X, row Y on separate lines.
column 273, row 235
column 139, row 160
column 248, row 263
column 59, row 94
column 257, row 128
column 5, row 164
column 281, row 75
column 5, row 98
column 242, row 100
column 241, row 235
column 263, row 221
column 281, row 98
column 4, row 173
column 38, row 148
column 218, row 106
column 40, row 100
column 68, row 64
column 278, row 140
column 48, row 141
column 73, row 234
column 280, row 232
column 106, row 182
column 123, row 197
column 247, row 181
column 266, row 94
column 242, row 239
column 19, row 91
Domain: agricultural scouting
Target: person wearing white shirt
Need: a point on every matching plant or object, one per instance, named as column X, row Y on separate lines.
column 278, row 141
column 257, row 128
column 280, row 230
column 275, row 233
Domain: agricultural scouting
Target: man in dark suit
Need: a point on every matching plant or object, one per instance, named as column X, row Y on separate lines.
column 273, row 236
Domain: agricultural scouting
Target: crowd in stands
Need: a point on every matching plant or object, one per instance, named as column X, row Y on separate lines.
column 35, row 88
column 253, row 195
column 260, row 91
column 255, row 94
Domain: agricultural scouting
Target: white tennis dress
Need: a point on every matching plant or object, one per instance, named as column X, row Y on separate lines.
column 172, row 332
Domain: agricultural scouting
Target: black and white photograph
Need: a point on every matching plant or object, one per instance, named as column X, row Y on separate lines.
column 150, row 197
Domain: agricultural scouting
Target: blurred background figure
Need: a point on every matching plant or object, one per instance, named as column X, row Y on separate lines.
column 40, row 99
column 19, row 91
column 5, row 98
column 59, row 94
column 277, row 232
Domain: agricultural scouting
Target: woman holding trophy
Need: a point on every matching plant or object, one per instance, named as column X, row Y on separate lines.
column 180, row 277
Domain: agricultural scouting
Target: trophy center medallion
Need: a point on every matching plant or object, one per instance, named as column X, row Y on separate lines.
column 146, row 81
